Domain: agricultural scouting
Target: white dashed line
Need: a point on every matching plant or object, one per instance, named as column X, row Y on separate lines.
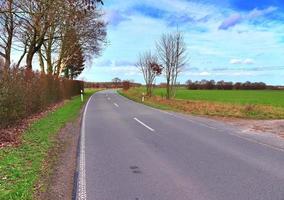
column 148, row 127
column 116, row 105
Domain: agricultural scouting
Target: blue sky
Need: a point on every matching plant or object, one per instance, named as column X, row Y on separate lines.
column 231, row 40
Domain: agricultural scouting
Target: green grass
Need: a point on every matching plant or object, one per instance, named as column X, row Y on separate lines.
column 264, row 104
column 20, row 167
column 254, row 97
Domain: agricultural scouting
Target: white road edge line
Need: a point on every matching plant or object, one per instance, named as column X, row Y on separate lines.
column 148, row 127
column 82, row 194
column 258, row 142
column 116, row 104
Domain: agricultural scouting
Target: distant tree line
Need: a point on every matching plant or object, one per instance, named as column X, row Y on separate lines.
column 223, row 85
column 115, row 83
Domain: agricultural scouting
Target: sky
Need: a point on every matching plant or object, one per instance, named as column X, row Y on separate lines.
column 231, row 40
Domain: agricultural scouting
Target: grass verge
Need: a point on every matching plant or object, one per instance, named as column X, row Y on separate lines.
column 209, row 107
column 20, row 167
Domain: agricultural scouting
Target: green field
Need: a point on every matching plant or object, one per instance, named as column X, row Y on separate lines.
column 21, row 167
column 252, row 104
column 254, row 97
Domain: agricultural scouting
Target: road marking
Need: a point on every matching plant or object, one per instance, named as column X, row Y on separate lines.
column 279, row 149
column 148, row 127
column 108, row 98
column 116, row 104
column 82, row 194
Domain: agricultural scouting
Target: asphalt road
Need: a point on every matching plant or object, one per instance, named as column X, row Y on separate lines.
column 133, row 152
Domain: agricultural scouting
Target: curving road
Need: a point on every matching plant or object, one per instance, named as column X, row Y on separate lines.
column 130, row 151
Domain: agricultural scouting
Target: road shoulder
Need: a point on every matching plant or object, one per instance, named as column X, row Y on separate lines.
column 62, row 161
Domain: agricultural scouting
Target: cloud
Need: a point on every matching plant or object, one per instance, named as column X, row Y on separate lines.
column 125, row 71
column 175, row 14
column 123, row 63
column 150, row 11
column 246, row 61
column 180, row 19
column 237, row 18
column 235, row 61
column 255, row 13
column 231, row 21
column 115, row 17
column 104, row 63
column 204, row 74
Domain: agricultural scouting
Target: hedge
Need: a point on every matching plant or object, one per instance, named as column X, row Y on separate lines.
column 23, row 93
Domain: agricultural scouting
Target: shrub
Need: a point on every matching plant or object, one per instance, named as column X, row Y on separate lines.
column 125, row 85
column 23, row 93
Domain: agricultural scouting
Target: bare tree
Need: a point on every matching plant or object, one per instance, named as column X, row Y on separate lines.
column 37, row 17
column 116, row 81
column 7, row 30
column 52, row 30
column 172, row 53
column 148, row 65
column 87, row 29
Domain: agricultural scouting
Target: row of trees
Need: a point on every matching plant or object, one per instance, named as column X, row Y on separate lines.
column 222, row 85
column 169, row 59
column 62, row 34
column 115, row 83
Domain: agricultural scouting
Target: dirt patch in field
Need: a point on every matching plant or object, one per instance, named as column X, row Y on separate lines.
column 57, row 180
column 258, row 126
column 11, row 136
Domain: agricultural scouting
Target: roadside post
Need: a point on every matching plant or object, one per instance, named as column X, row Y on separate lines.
column 143, row 97
column 82, row 96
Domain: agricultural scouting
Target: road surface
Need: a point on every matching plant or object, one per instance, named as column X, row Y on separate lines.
column 129, row 151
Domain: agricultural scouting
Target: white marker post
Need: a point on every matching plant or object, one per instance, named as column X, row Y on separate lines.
column 143, row 97
column 82, row 96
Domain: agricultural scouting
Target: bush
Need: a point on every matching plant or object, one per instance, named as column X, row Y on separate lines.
column 125, row 85
column 23, row 93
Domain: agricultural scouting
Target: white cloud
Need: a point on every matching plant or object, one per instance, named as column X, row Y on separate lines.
column 204, row 74
column 246, row 61
column 235, row 61
column 258, row 13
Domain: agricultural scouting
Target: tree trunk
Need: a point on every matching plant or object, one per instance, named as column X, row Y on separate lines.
column 168, row 89
column 49, row 61
column 41, row 62
column 29, row 60
column 9, row 24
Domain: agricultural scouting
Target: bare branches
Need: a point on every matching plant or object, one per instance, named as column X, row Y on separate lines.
column 172, row 53
column 43, row 27
column 148, row 65
column 7, row 28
